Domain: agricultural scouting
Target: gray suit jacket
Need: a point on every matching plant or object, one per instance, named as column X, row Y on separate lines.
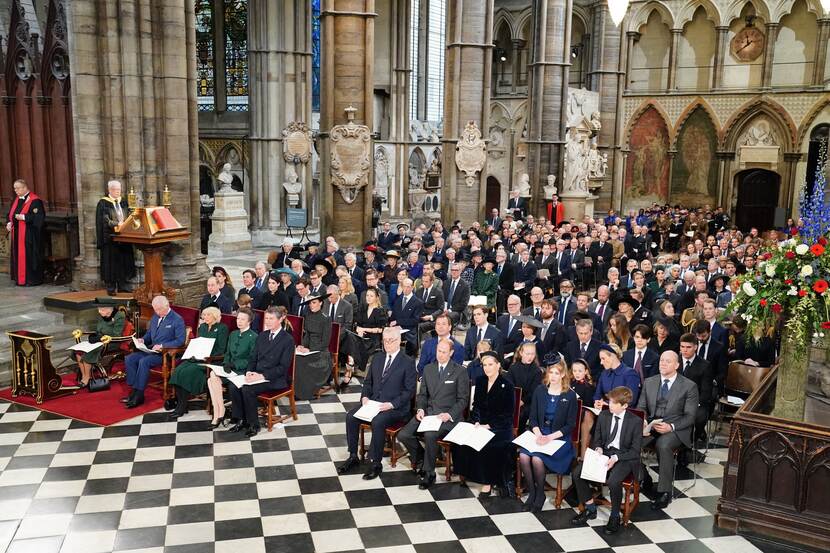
column 450, row 394
column 680, row 409
column 343, row 315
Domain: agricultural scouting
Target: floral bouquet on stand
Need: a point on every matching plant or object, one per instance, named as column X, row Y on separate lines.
column 788, row 291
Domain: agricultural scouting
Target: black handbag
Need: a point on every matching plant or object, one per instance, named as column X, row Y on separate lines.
column 98, row 381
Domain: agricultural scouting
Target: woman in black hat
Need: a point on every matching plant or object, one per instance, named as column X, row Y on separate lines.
column 274, row 295
column 312, row 360
column 111, row 323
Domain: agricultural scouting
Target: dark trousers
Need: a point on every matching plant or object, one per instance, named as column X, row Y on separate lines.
column 138, row 365
column 427, row 453
column 665, row 445
column 701, row 417
column 244, row 402
column 379, row 424
column 614, row 480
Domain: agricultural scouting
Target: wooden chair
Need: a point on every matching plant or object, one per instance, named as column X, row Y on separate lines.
column 296, row 325
column 270, row 398
column 168, row 365
column 631, row 485
column 334, row 351
column 576, row 435
column 390, row 445
column 115, row 348
column 741, row 381
column 229, row 321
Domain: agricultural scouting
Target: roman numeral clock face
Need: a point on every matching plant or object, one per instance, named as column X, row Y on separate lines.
column 748, row 44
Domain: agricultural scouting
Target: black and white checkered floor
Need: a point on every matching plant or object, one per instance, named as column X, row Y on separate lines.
column 152, row 486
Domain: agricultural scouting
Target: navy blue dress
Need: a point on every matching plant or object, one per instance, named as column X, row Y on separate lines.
column 559, row 462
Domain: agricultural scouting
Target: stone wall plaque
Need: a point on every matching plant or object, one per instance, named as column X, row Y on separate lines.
column 351, row 158
column 471, row 152
column 296, row 144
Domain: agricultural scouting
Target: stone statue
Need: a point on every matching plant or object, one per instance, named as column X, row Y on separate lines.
column 595, row 123
column 550, row 188
column 381, row 173
column 414, row 177
column 292, row 186
column 523, row 187
column 226, row 178
column 576, row 169
column 597, row 163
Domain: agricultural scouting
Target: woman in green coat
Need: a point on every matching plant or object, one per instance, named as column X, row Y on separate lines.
column 240, row 345
column 486, row 282
column 110, row 323
column 190, row 377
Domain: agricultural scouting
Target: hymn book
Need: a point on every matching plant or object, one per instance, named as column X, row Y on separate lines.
column 470, row 435
column 85, row 347
column 527, row 440
column 199, row 348
column 594, row 466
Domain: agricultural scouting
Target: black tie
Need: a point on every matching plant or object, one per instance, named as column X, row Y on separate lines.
column 537, row 313
column 386, row 367
column 271, row 337
column 584, row 349
column 480, row 335
column 664, row 389
column 333, row 309
column 441, row 372
column 614, row 428
column 452, row 291
column 686, row 368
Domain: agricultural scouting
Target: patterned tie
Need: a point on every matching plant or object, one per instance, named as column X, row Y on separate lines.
column 584, row 349
column 386, row 367
column 601, row 310
column 452, row 291
column 638, row 365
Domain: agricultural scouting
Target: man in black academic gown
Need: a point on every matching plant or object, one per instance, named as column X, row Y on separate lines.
column 25, row 223
column 117, row 260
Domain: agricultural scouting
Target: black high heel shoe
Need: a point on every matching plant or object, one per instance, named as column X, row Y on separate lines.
column 222, row 421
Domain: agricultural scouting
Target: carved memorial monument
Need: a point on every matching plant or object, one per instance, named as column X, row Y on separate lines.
column 229, row 219
column 351, row 157
column 471, row 153
column 296, row 151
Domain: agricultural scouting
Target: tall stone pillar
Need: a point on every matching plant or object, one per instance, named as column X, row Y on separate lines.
column 671, row 81
column 769, row 54
column 549, row 94
column 468, row 67
column 346, row 90
column 397, row 200
column 821, row 52
column 134, row 102
column 279, row 73
column 721, row 48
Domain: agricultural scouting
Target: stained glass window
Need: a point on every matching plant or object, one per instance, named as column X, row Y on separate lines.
column 435, row 61
column 236, row 54
column 414, row 23
column 315, row 55
column 205, row 76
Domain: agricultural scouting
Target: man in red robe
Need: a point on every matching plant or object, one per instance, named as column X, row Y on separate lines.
column 25, row 223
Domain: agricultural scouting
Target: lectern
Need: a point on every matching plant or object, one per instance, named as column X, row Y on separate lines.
column 32, row 371
column 151, row 230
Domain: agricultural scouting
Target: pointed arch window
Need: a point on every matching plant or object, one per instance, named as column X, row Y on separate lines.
column 222, row 55
column 205, row 56
column 315, row 55
column 236, row 54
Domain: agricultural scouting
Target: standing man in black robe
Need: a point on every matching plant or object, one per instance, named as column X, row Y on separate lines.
column 25, row 223
column 117, row 260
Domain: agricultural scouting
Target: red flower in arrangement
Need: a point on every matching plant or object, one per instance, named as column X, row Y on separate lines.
column 776, row 308
column 790, row 255
column 817, row 249
column 802, row 293
column 768, row 256
column 788, row 282
column 763, row 303
column 825, row 325
column 820, row 286
column 793, row 231
column 822, row 240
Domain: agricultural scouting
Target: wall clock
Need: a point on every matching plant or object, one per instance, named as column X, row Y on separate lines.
column 748, row 43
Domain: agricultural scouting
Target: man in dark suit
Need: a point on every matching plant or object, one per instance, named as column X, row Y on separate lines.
column 249, row 286
column 298, row 306
column 600, row 305
column 710, row 315
column 545, row 260
column 585, row 347
column 214, row 298
column 268, row 369
column 164, row 330
column 445, row 393
column 338, row 310
column 351, row 265
column 406, row 313
column 552, row 337
column 494, row 220
column 443, row 330
column 583, row 300
column 641, row 358
column 505, row 271
column 456, row 294
column 566, row 302
column 602, row 253
column 482, row 330
column 617, row 435
column 673, row 398
column 390, row 380
column 698, row 371
column 509, row 326
column 715, row 354
column 535, row 308
column 261, row 281
column 517, row 205
column 525, row 271
column 386, row 238
column 432, row 297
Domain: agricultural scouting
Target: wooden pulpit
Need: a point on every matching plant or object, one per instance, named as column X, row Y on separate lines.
column 151, row 230
column 32, row 371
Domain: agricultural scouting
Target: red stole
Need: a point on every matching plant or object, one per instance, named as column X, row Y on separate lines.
column 21, row 236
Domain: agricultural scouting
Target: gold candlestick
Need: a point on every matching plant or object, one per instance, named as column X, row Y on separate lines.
column 165, row 198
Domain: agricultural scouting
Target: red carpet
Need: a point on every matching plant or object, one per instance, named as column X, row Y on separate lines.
column 101, row 408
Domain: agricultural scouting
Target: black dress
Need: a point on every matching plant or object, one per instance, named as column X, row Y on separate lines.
column 117, row 260
column 361, row 348
column 494, row 407
column 313, row 371
column 528, row 378
column 269, row 299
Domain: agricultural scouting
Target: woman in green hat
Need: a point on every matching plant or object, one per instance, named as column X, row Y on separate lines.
column 190, row 377
column 486, row 282
column 238, row 353
column 110, row 323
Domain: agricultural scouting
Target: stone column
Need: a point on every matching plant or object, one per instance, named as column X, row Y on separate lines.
column 633, row 37
column 769, row 55
column 468, row 67
column 348, row 42
column 279, row 73
column 549, row 94
column 399, row 124
column 605, row 77
column 134, row 102
column 721, row 48
column 821, row 52
column 671, row 82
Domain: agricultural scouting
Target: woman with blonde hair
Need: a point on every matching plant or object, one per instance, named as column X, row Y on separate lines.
column 347, row 292
column 618, row 331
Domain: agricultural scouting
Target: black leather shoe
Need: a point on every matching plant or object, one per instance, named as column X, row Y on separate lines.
column 128, row 398
column 661, row 501
column 613, row 526
column 238, row 427
column 584, row 516
column 252, row 431
column 427, row 480
column 373, row 472
column 137, row 400
column 348, row 464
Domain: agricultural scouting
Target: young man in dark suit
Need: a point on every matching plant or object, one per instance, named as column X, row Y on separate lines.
column 390, row 380
column 617, row 435
column 552, row 337
column 406, row 313
column 673, row 398
column 432, row 297
column 696, row 369
column 249, row 286
column 445, row 393
column 482, row 330
column 641, row 358
column 268, row 369
column 585, row 347
column 456, row 293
